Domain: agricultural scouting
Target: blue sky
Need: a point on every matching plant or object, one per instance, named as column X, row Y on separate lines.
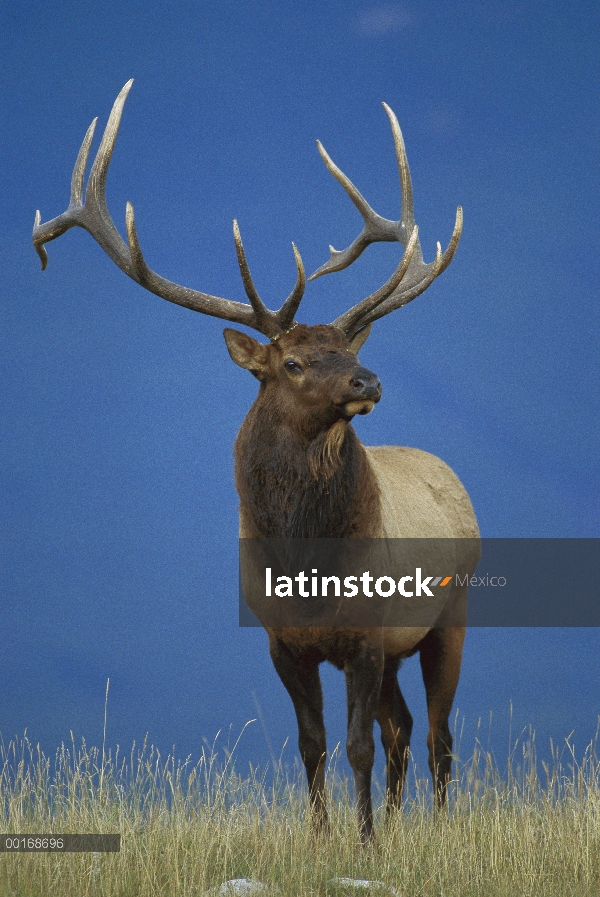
column 119, row 520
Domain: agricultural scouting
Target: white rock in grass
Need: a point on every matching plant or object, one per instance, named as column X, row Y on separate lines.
column 363, row 884
column 240, row 887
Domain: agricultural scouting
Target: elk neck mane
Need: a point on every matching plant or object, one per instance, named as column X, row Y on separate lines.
column 294, row 486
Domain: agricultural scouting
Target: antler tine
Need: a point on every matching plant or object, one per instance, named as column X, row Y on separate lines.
column 356, row 317
column 95, row 196
column 376, row 228
column 398, row 299
column 271, row 323
column 290, row 306
column 260, row 310
column 93, row 215
column 52, row 229
column 407, row 208
column 78, row 175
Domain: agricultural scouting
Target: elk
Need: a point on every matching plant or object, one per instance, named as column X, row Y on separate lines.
column 301, row 471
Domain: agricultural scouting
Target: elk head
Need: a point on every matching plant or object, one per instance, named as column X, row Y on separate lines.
column 314, row 368
column 311, row 368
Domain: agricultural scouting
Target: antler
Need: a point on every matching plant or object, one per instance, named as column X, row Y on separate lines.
column 416, row 276
column 93, row 215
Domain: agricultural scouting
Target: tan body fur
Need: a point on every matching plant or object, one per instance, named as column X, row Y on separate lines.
column 419, row 497
column 422, row 498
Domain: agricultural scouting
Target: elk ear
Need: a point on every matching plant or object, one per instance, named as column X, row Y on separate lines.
column 247, row 352
column 358, row 340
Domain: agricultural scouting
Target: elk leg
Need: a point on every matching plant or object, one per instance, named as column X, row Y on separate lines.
column 396, row 724
column 363, row 685
column 300, row 675
column 441, row 654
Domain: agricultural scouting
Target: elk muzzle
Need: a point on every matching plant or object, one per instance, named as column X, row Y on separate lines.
column 365, row 389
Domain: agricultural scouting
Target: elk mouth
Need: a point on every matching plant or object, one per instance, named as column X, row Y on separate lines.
column 357, row 406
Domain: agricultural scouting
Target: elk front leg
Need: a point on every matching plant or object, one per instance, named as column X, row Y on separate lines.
column 441, row 655
column 300, row 675
column 396, row 724
column 363, row 684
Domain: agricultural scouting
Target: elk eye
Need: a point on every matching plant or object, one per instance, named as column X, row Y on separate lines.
column 293, row 367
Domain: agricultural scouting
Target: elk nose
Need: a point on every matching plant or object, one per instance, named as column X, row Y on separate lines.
column 366, row 384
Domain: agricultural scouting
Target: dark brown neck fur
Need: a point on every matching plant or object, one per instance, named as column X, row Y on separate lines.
column 293, row 485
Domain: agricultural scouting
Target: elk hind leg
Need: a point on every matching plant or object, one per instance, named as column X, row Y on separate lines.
column 396, row 724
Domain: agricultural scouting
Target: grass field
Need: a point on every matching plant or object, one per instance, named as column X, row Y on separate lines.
column 188, row 826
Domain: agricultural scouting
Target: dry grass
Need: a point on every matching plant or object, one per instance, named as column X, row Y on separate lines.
column 186, row 827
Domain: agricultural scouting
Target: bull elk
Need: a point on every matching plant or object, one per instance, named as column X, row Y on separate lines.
column 301, row 471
